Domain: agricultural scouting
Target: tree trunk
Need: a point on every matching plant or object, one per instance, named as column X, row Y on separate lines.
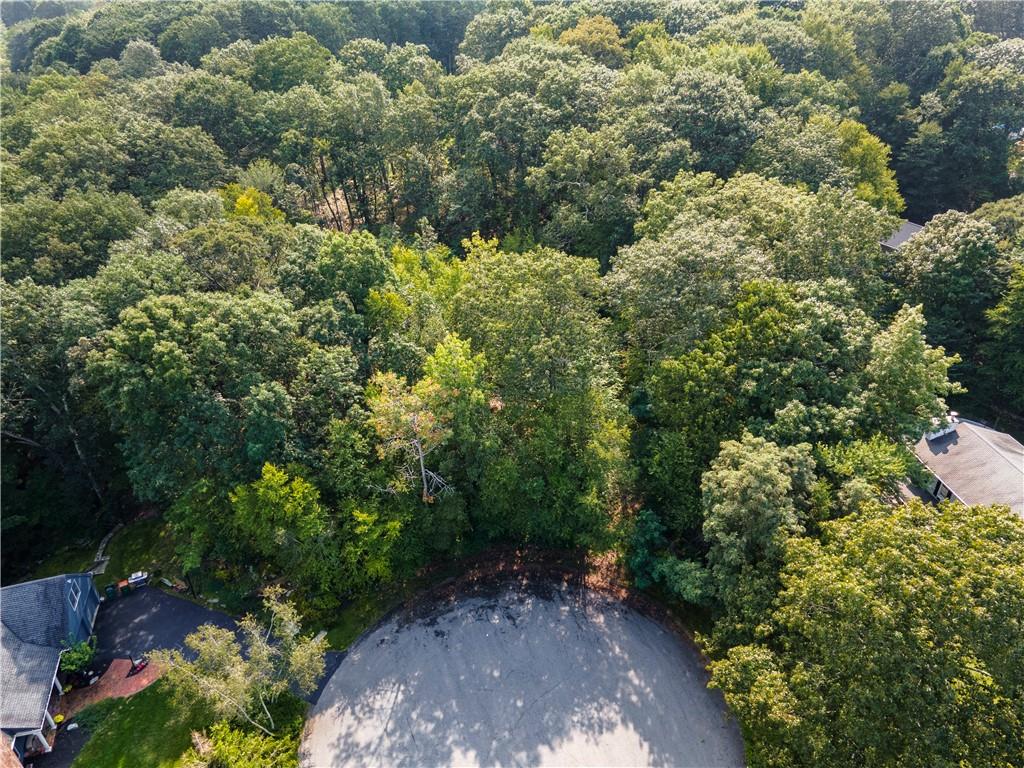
column 327, row 198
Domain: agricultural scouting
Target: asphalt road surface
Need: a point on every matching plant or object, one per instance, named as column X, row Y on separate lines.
column 521, row 678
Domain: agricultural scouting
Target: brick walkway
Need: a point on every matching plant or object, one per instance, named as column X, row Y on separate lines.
column 114, row 682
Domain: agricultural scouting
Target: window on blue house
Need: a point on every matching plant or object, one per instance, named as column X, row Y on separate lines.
column 74, row 595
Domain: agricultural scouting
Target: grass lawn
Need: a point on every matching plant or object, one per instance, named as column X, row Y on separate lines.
column 68, row 560
column 145, row 545
column 148, row 729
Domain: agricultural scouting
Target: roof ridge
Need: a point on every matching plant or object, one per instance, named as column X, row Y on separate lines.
column 45, row 578
column 14, row 632
column 23, row 641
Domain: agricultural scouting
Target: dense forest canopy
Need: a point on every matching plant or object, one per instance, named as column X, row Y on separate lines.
column 344, row 289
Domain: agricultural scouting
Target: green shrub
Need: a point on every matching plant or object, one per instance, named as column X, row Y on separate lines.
column 78, row 656
column 232, row 748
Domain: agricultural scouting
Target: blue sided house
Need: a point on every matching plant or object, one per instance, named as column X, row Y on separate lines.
column 39, row 620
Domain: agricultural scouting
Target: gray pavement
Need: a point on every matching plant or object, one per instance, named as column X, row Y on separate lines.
column 520, row 678
column 149, row 618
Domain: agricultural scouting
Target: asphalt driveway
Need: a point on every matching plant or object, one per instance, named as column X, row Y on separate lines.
column 147, row 619
column 150, row 618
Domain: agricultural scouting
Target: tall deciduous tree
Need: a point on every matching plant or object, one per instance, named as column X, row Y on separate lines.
column 242, row 686
column 1004, row 350
column 900, row 622
column 559, row 462
column 193, row 384
column 53, row 241
column 755, row 497
column 955, row 270
column 590, row 190
column 281, row 519
column 714, row 112
column 793, row 364
column 409, row 432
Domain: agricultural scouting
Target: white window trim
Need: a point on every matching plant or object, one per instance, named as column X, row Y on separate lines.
column 74, row 595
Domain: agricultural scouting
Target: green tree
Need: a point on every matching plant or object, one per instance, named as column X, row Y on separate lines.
column 1004, row 349
column 1007, row 218
column 963, row 139
column 353, row 264
column 590, row 190
column 242, row 686
column 955, row 270
column 755, row 497
column 597, row 37
column 77, row 657
column 227, row 109
column 190, row 38
column 276, row 511
column 899, row 622
column 281, row 63
column 671, row 290
column 905, row 379
column 239, row 748
column 488, row 33
column 791, row 364
column 45, row 411
column 53, row 241
column 193, row 383
column 806, row 237
column 454, row 386
column 823, row 150
column 862, row 471
column 561, row 432
column 230, row 254
column 505, row 110
column 714, row 112
column 797, row 151
column 409, row 432
column 867, row 158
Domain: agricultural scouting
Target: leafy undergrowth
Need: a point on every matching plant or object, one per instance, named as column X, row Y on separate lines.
column 364, row 611
column 359, row 615
column 231, row 745
column 144, row 545
column 152, row 729
column 235, row 591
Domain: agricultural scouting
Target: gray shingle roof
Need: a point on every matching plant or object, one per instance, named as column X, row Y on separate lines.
column 27, row 674
column 34, row 611
column 896, row 240
column 32, row 632
column 978, row 464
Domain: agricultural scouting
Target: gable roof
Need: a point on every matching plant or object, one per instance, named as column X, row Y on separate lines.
column 978, row 464
column 906, row 231
column 33, row 628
